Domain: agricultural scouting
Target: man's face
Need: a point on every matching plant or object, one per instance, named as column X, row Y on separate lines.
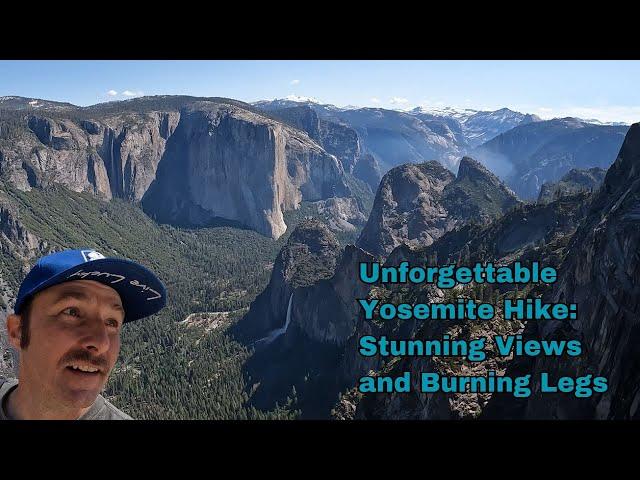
column 74, row 341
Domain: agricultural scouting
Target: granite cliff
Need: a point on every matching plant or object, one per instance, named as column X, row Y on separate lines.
column 602, row 275
column 310, row 255
column 227, row 162
column 322, row 314
column 189, row 161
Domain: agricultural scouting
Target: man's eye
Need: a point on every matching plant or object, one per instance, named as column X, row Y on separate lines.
column 112, row 323
column 71, row 311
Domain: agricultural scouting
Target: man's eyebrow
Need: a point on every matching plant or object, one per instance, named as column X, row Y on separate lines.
column 66, row 294
column 80, row 295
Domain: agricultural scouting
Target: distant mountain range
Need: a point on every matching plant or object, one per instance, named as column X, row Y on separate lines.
column 395, row 137
column 530, row 155
column 522, row 149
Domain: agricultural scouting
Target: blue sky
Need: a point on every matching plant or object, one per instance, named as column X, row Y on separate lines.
column 605, row 90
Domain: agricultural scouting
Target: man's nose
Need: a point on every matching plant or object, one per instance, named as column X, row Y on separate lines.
column 96, row 337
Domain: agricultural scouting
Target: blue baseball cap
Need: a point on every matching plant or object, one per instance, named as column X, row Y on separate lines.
column 141, row 292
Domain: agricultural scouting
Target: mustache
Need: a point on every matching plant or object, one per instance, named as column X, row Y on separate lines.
column 100, row 362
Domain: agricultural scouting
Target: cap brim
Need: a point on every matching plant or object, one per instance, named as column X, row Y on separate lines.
column 141, row 292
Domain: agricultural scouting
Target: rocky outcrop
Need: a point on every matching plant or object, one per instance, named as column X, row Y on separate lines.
column 477, row 194
column 16, row 241
column 309, row 311
column 328, row 311
column 341, row 214
column 602, row 275
column 417, row 204
column 18, row 246
column 325, row 318
column 528, row 232
column 574, row 181
column 407, row 208
column 539, row 232
column 310, row 255
column 599, row 270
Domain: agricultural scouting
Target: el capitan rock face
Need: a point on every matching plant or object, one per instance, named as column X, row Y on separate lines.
column 226, row 162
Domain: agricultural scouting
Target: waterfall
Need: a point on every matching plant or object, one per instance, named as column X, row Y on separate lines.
column 273, row 334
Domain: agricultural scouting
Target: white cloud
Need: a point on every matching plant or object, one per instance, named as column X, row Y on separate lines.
column 131, row 93
column 112, row 93
column 398, row 100
column 294, row 82
column 375, row 100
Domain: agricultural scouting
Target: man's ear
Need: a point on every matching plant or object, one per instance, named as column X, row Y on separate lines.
column 13, row 329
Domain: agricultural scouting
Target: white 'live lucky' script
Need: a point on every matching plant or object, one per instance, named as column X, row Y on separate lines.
column 82, row 274
column 145, row 288
column 117, row 278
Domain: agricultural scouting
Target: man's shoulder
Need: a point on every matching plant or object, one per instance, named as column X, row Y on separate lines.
column 102, row 409
column 114, row 413
column 7, row 384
